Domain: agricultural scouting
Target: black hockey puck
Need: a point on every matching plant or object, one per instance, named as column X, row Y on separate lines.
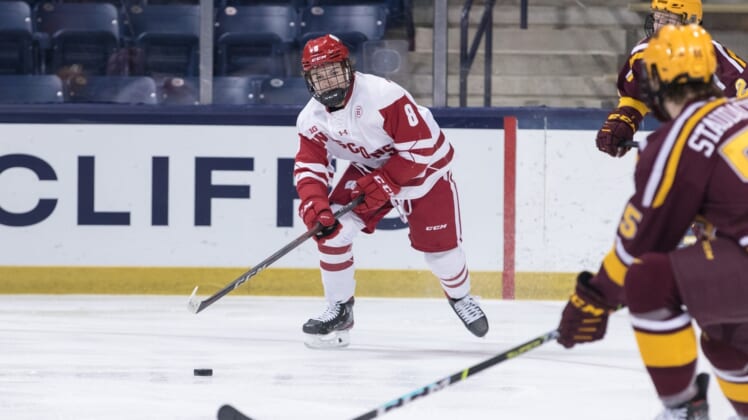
column 203, row 372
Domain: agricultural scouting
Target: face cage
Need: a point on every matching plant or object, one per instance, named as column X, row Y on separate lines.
column 334, row 96
column 649, row 25
column 665, row 18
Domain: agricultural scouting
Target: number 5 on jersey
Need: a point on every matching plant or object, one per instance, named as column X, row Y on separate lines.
column 629, row 222
column 735, row 152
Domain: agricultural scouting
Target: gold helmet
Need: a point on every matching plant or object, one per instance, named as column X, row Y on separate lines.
column 680, row 54
column 676, row 12
column 677, row 55
column 689, row 10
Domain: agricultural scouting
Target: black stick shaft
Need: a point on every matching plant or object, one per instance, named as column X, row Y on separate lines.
column 459, row 376
column 630, row 143
column 273, row 258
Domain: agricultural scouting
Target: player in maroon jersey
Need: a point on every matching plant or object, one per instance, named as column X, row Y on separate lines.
column 399, row 158
column 694, row 166
column 621, row 124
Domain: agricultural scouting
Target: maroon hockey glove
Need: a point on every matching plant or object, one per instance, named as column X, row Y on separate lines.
column 316, row 209
column 585, row 316
column 377, row 188
column 620, row 126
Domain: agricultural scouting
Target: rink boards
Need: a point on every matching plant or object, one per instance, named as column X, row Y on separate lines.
column 159, row 208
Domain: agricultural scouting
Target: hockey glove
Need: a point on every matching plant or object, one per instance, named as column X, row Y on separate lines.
column 316, row 209
column 620, row 126
column 377, row 188
column 585, row 317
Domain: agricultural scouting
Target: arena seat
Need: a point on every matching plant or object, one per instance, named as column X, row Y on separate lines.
column 353, row 24
column 399, row 13
column 86, row 34
column 235, row 90
column 296, row 4
column 179, row 91
column 169, row 2
column 255, row 39
column 282, row 91
column 16, row 46
column 169, row 36
column 30, row 89
column 112, row 89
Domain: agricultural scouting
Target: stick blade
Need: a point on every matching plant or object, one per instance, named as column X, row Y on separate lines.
column 194, row 304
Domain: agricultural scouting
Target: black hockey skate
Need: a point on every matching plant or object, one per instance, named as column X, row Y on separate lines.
column 470, row 314
column 695, row 409
column 331, row 328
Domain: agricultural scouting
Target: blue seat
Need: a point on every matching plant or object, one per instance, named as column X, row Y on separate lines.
column 16, row 47
column 86, row 34
column 282, row 91
column 169, row 36
column 30, row 89
column 112, row 89
column 235, row 90
column 340, row 2
column 353, row 24
column 296, row 4
column 399, row 13
column 255, row 39
column 169, row 2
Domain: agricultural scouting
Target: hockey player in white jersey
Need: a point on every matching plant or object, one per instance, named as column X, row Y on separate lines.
column 398, row 158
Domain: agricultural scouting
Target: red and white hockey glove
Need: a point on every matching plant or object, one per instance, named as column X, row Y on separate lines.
column 315, row 208
column 585, row 317
column 620, row 126
column 377, row 188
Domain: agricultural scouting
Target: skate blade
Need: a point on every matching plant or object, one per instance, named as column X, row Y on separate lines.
column 334, row 340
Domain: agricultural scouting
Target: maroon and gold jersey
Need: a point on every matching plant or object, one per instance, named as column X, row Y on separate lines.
column 731, row 76
column 695, row 166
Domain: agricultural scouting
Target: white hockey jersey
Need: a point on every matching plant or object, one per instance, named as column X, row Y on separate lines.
column 380, row 127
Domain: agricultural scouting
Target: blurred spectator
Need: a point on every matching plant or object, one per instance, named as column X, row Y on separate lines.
column 68, row 75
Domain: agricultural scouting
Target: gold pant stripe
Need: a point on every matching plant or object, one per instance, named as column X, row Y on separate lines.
column 667, row 350
column 734, row 391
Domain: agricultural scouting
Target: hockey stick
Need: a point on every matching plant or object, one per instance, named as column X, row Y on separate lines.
column 458, row 376
column 630, row 143
column 228, row 412
column 196, row 305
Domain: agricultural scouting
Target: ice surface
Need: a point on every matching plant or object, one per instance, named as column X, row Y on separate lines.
column 132, row 358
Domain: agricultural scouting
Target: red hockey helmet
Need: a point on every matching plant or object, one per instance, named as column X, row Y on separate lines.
column 327, row 70
column 323, row 50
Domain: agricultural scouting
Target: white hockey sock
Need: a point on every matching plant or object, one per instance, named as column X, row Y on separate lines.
column 451, row 269
column 337, row 267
